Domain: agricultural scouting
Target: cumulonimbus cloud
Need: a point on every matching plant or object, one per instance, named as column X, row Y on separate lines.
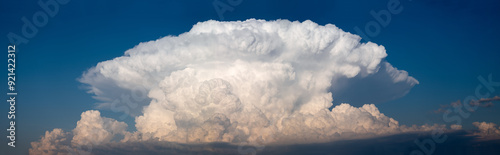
column 248, row 81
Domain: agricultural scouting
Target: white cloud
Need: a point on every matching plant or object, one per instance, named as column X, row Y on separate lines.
column 267, row 80
column 94, row 129
column 91, row 130
column 247, row 81
column 257, row 79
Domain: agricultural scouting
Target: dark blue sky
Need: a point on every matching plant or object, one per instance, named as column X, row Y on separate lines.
column 444, row 44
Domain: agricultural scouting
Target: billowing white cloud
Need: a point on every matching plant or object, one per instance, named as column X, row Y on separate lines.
column 94, row 129
column 91, row 130
column 251, row 80
column 322, row 57
column 247, row 81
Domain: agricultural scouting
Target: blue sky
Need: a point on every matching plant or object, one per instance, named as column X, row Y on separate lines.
column 444, row 44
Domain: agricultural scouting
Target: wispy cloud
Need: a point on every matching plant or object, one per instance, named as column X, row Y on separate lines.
column 484, row 102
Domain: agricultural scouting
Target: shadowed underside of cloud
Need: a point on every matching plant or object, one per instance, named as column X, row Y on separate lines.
column 387, row 84
column 456, row 142
column 245, row 82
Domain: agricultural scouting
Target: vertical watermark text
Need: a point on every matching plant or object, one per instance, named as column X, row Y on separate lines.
column 11, row 94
